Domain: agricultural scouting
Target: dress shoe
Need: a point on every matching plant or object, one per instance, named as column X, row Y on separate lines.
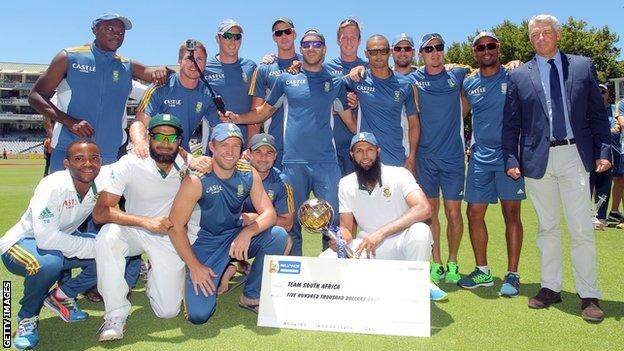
column 544, row 298
column 591, row 311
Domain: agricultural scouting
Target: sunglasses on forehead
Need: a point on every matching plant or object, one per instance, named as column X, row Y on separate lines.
column 160, row 137
column 429, row 49
column 482, row 47
column 232, row 36
column 403, row 48
column 317, row 44
column 280, row 32
column 375, row 52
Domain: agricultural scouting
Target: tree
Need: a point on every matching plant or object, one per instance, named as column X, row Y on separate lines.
column 577, row 38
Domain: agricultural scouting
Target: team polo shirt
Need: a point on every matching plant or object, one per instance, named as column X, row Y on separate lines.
column 55, row 211
column 263, row 80
column 279, row 191
column 384, row 204
column 339, row 68
column 308, row 121
column 221, row 202
column 189, row 105
column 148, row 190
column 382, row 101
column 232, row 82
column 486, row 96
column 98, row 84
column 441, row 123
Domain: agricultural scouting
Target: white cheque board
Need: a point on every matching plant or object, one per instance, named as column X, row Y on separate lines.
column 343, row 295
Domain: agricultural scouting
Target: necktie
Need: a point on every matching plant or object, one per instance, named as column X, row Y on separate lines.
column 556, row 103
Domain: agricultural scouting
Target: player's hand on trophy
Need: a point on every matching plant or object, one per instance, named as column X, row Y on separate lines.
column 357, row 73
column 201, row 277
column 240, row 246
column 81, row 128
column 160, row 224
column 368, row 244
column 229, row 117
column 202, row 164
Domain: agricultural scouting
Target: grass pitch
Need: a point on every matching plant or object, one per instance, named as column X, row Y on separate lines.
column 469, row 320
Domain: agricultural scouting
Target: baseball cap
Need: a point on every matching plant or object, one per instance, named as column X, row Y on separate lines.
column 227, row 24
column 223, row 131
column 165, row 119
column 403, row 37
column 261, row 140
column 427, row 38
column 483, row 35
column 112, row 16
column 363, row 136
column 603, row 86
column 286, row 20
column 312, row 32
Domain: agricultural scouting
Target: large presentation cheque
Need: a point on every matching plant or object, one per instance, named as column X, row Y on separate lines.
column 353, row 296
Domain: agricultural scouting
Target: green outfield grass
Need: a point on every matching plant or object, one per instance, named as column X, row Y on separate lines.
column 469, row 320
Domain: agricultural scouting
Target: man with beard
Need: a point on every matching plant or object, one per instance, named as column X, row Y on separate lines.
column 389, row 208
column 149, row 185
column 383, row 96
column 486, row 181
column 46, row 241
column 220, row 196
column 265, row 75
column 97, row 82
column 309, row 163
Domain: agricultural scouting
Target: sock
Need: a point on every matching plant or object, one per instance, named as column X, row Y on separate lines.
column 514, row 273
column 485, row 269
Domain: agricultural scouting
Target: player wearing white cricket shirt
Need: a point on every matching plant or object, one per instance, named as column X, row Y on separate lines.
column 388, row 206
column 149, row 186
column 46, row 241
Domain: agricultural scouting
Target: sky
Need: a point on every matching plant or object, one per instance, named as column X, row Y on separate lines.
column 34, row 31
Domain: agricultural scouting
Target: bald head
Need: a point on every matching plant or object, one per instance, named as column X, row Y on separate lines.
column 377, row 39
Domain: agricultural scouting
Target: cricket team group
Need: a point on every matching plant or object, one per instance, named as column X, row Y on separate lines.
column 378, row 142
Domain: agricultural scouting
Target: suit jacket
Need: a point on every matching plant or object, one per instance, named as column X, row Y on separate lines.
column 526, row 127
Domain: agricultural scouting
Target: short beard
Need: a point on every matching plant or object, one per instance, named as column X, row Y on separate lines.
column 368, row 176
column 160, row 158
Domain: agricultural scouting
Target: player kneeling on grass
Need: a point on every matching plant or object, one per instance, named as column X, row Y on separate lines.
column 46, row 241
column 220, row 196
column 388, row 206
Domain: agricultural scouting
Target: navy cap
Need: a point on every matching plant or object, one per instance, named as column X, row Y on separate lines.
column 403, row 37
column 223, row 131
column 109, row 16
column 165, row 119
column 429, row 37
column 227, row 24
column 363, row 136
column 286, row 20
column 483, row 35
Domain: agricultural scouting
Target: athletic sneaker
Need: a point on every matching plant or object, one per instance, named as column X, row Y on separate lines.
column 27, row 334
column 599, row 224
column 476, row 279
column 435, row 293
column 112, row 329
column 436, row 272
column 67, row 308
column 511, row 286
column 452, row 273
column 616, row 216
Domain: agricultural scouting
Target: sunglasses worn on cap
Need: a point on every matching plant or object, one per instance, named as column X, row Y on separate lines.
column 489, row 46
column 279, row 33
column 429, row 49
column 402, row 48
column 375, row 52
column 160, row 137
column 232, row 36
column 317, row 44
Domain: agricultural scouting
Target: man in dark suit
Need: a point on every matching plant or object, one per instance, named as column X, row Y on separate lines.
column 555, row 130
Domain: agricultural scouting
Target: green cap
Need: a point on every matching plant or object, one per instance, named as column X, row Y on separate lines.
column 165, row 119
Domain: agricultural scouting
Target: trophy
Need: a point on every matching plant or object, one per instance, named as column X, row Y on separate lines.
column 316, row 215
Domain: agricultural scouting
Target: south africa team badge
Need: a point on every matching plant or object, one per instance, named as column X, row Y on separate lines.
column 244, row 75
column 504, row 88
column 327, row 86
column 198, row 107
column 387, row 192
column 115, row 76
column 240, row 191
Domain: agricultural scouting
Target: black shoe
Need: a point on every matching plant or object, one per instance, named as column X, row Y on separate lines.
column 544, row 298
column 616, row 216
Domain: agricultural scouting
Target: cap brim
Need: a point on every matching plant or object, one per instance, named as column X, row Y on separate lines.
column 258, row 145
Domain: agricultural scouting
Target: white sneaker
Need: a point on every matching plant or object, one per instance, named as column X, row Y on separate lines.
column 112, row 329
column 599, row 224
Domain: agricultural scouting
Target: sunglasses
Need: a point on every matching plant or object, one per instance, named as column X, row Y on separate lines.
column 603, row 92
column 375, row 52
column 429, row 49
column 317, row 44
column 403, row 48
column 482, row 47
column 232, row 36
column 279, row 33
column 160, row 137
